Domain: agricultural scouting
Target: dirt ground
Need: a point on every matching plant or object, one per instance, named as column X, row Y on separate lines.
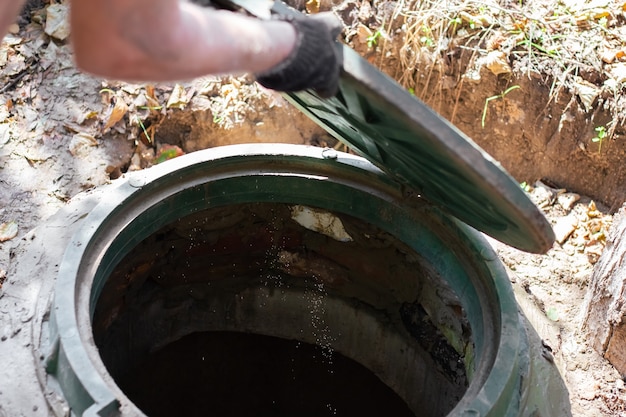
column 63, row 132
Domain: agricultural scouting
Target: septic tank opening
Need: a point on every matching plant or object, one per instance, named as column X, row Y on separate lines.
column 220, row 310
column 232, row 374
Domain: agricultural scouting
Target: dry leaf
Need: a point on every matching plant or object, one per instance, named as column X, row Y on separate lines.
column 608, row 56
column 593, row 253
column 12, row 40
column 86, row 116
column 497, row 62
column 8, row 231
column 600, row 13
column 363, row 33
column 482, row 20
column 167, row 152
column 49, row 56
column 57, row 22
column 618, row 72
column 151, row 100
column 313, row 6
column 150, row 92
column 80, row 143
column 587, row 93
column 5, row 133
column 567, row 200
column 116, row 113
column 564, row 227
column 592, row 210
column 178, row 98
column 495, row 41
column 4, row 55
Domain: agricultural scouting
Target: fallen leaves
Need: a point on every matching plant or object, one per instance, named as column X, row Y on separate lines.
column 80, row 143
column 179, row 98
column 5, row 133
column 586, row 91
column 497, row 62
column 363, row 34
column 312, row 6
column 136, row 111
column 479, row 20
column 618, row 72
column 584, row 227
column 150, row 112
column 4, row 55
column 589, row 236
column 116, row 111
column 8, row 231
column 564, row 227
column 12, row 61
column 151, row 99
column 57, row 21
column 611, row 55
column 167, row 152
column 594, row 233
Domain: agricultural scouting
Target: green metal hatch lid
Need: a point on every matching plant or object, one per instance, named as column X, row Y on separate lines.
column 398, row 133
column 394, row 130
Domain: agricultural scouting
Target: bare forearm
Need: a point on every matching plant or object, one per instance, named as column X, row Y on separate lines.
column 8, row 13
column 167, row 40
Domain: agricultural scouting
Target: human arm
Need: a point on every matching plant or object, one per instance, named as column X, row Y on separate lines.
column 163, row 40
column 166, row 40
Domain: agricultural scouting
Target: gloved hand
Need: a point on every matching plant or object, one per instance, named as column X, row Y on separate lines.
column 314, row 62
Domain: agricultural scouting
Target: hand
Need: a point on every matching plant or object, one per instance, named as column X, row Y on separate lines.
column 314, row 62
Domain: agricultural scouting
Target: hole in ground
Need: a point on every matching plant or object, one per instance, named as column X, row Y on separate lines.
column 250, row 279
column 236, row 374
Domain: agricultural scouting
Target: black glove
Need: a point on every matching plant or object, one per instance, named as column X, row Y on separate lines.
column 314, row 62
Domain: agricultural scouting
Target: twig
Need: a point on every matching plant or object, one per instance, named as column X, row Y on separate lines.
column 14, row 81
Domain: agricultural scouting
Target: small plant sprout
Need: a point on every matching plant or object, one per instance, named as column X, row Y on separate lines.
column 455, row 23
column 427, row 37
column 428, row 41
column 497, row 96
column 601, row 135
column 372, row 40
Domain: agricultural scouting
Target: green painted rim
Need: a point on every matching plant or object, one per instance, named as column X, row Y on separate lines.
column 139, row 205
